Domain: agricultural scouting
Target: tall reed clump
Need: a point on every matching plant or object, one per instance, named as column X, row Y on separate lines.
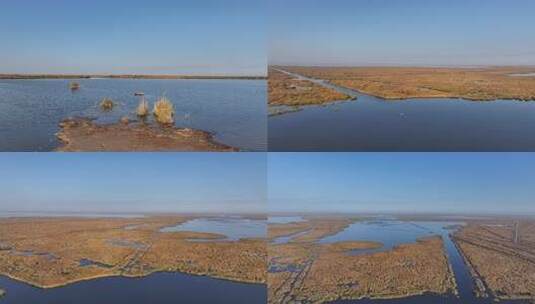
column 143, row 108
column 164, row 111
column 107, row 104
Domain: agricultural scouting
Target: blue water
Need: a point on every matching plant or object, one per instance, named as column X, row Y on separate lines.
column 233, row 228
column 373, row 124
column 285, row 219
column 30, row 110
column 390, row 233
column 161, row 288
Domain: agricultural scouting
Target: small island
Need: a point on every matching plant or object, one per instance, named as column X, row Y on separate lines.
column 82, row 135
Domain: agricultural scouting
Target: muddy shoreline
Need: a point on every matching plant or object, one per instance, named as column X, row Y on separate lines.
column 81, row 134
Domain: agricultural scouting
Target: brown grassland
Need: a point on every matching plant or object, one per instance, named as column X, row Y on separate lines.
column 502, row 267
column 483, row 84
column 284, row 89
column 303, row 270
column 46, row 252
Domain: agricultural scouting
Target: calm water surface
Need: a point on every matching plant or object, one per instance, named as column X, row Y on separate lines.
column 160, row 287
column 233, row 228
column 30, row 110
column 523, row 75
column 285, row 219
column 373, row 124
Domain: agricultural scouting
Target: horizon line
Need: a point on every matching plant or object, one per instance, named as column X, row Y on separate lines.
column 446, row 213
column 125, row 76
column 407, row 65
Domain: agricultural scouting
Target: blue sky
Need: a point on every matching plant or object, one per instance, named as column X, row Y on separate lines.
column 402, row 182
column 133, row 182
column 134, row 36
column 408, row 32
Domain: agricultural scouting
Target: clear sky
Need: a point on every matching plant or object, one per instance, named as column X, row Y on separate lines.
column 133, row 182
column 407, row 32
column 469, row 183
column 133, row 36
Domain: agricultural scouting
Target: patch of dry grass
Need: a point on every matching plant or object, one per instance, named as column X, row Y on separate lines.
column 74, row 86
column 286, row 90
column 164, row 111
column 406, row 82
column 107, row 104
column 143, row 108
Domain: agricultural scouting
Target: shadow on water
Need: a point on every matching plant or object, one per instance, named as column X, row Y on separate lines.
column 373, row 124
column 163, row 287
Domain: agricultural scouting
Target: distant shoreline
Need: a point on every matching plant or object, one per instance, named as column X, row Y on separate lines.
column 125, row 76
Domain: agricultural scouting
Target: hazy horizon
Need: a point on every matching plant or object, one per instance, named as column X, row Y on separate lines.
column 401, row 33
column 408, row 183
column 204, row 37
column 133, row 183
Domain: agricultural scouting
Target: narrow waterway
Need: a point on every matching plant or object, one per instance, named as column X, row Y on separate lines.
column 374, row 124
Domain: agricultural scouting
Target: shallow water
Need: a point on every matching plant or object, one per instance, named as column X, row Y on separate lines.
column 30, row 110
column 88, row 262
column 287, row 238
column 373, row 124
column 285, row 219
column 156, row 288
column 523, row 75
column 233, row 228
column 390, row 233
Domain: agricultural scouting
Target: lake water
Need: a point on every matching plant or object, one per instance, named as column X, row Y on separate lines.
column 30, row 110
column 374, row 124
column 159, row 287
column 393, row 233
column 285, row 219
column 232, row 227
column 523, row 75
